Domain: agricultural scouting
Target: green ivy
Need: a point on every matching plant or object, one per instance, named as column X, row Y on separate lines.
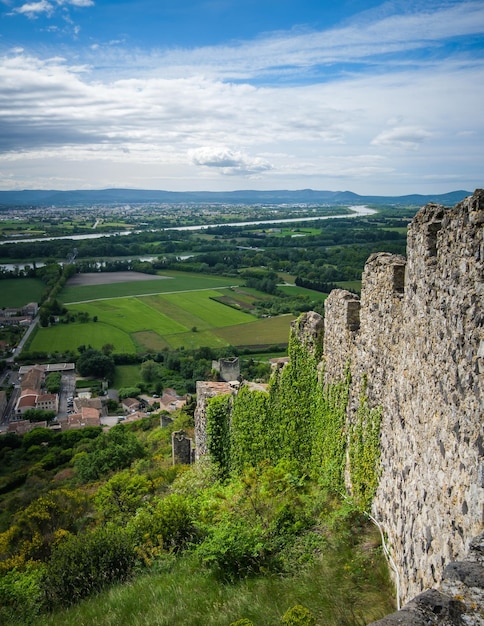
column 329, row 434
column 250, row 434
column 364, row 452
column 218, row 432
column 302, row 421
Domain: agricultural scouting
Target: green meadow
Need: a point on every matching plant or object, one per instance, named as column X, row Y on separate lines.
column 154, row 323
column 64, row 337
column 16, row 292
column 294, row 291
column 172, row 281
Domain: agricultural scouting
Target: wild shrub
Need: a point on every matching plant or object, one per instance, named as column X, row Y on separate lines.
column 165, row 525
column 298, row 616
column 84, row 564
column 21, row 595
column 113, row 450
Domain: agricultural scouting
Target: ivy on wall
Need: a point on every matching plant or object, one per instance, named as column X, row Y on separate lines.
column 329, row 434
column 250, row 434
column 364, row 452
column 218, row 432
column 302, row 421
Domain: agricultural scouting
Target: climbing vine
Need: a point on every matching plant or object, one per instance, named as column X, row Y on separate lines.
column 218, row 432
column 250, row 438
column 299, row 420
column 364, row 452
column 329, row 434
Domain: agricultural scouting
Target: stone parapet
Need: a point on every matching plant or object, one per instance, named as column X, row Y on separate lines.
column 418, row 353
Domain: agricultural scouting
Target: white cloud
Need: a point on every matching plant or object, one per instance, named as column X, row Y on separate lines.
column 228, row 161
column 292, row 55
column 179, row 119
column 76, row 3
column 409, row 137
column 34, row 9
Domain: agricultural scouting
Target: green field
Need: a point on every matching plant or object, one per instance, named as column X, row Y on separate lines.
column 70, row 336
column 126, row 376
column 302, row 291
column 354, row 285
column 175, row 281
column 16, row 292
column 155, row 323
column 187, row 312
column 267, row 331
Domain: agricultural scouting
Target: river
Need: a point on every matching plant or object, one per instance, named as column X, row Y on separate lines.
column 358, row 211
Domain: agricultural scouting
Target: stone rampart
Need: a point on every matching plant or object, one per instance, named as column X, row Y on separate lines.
column 415, row 341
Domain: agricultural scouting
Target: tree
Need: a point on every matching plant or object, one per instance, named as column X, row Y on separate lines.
column 39, row 415
column 94, row 363
column 149, row 371
column 53, row 382
column 107, row 349
column 113, row 450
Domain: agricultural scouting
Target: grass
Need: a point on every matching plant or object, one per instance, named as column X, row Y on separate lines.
column 154, row 323
column 205, row 310
column 69, row 336
column 16, row 292
column 302, row 291
column 130, row 315
column 267, row 331
column 182, row 282
column 126, row 376
column 337, row 589
column 355, row 285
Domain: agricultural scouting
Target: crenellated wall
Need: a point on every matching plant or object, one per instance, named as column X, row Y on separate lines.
column 415, row 340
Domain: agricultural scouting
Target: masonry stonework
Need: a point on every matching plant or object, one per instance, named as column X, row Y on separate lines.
column 416, row 340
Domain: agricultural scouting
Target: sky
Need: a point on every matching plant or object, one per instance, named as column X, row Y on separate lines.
column 383, row 98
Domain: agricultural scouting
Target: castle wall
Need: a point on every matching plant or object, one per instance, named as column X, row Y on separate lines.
column 419, row 347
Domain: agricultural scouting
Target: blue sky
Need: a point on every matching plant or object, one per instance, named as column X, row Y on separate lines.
column 376, row 97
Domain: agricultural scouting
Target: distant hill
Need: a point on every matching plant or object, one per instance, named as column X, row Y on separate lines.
column 119, row 196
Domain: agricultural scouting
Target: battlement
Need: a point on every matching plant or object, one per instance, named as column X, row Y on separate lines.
column 418, row 348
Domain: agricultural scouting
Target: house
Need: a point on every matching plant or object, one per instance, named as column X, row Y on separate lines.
column 30, row 309
column 26, row 402
column 130, row 405
column 86, row 417
column 90, row 403
column 32, row 378
column 170, row 401
column 48, row 402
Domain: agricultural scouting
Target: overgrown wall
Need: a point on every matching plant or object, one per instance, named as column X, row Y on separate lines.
column 415, row 342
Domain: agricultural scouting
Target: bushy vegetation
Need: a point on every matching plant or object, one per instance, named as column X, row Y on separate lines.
column 251, row 523
column 255, row 534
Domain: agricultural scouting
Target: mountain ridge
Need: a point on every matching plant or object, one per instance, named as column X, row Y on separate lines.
column 75, row 197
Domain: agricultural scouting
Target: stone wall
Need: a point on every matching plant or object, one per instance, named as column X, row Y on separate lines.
column 205, row 391
column 416, row 338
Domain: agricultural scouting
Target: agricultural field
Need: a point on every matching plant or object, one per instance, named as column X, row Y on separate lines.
column 353, row 285
column 155, row 323
column 267, row 331
column 188, row 314
column 164, row 283
column 294, row 291
column 17, row 292
column 63, row 337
